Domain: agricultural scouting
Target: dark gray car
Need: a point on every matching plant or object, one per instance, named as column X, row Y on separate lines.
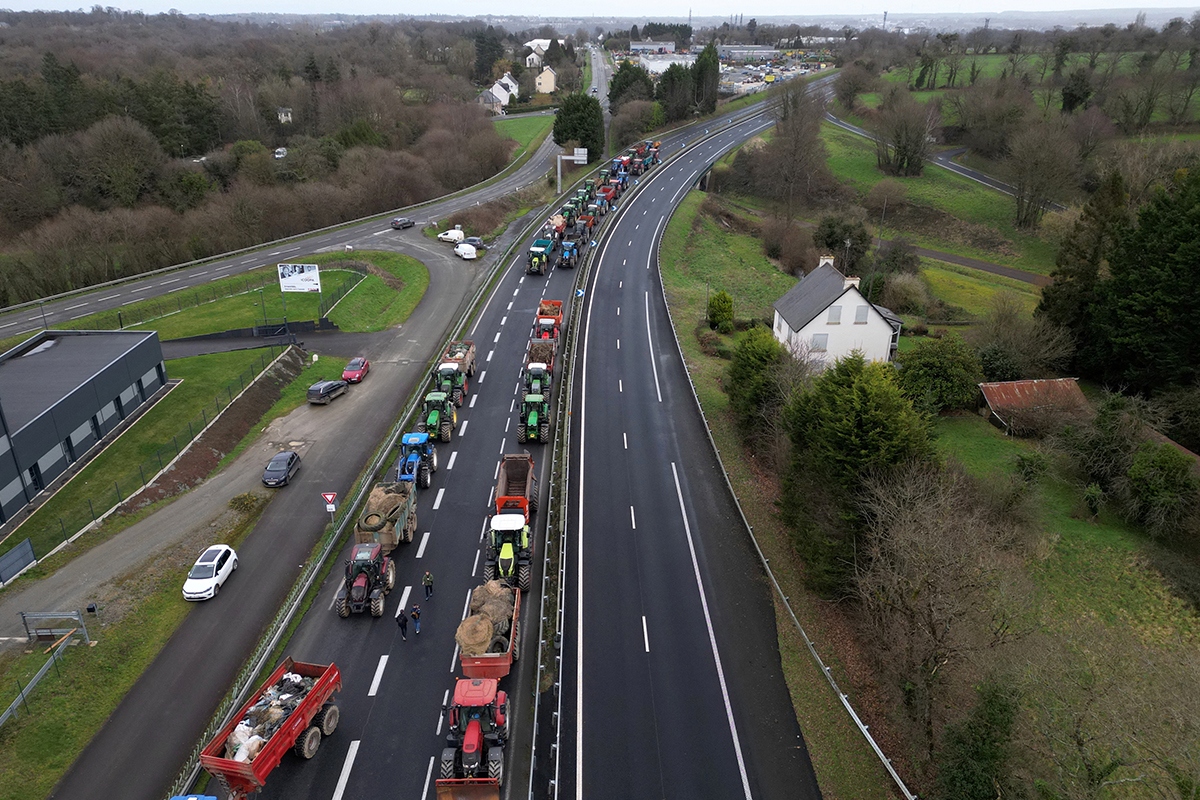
column 400, row 223
column 281, row 468
column 324, row 392
column 475, row 242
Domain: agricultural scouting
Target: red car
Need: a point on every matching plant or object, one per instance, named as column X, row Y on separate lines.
column 356, row 370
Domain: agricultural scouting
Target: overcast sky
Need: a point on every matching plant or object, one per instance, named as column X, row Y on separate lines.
column 631, row 8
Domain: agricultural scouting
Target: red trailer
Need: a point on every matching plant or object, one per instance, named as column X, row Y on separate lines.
column 300, row 729
column 548, row 323
column 496, row 665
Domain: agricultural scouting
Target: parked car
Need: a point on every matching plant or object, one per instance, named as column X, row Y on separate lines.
column 465, row 251
column 455, row 236
column 325, row 392
column 399, row 223
column 475, row 242
column 281, row 152
column 356, row 370
column 212, row 569
column 281, row 468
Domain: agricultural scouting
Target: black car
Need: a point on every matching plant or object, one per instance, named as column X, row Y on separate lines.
column 324, row 392
column 281, row 468
column 399, row 223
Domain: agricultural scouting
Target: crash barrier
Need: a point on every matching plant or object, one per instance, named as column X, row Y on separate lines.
column 23, row 692
column 67, row 524
column 842, row 697
column 14, row 562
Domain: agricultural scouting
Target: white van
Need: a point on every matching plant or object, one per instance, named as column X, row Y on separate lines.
column 455, row 236
column 465, row 251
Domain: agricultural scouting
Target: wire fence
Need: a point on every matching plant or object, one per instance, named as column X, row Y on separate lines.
column 51, row 529
column 23, row 692
column 157, row 308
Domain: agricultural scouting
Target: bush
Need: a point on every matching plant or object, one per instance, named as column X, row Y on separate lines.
column 1032, row 465
column 752, row 384
column 946, row 372
column 918, row 329
column 725, row 326
column 905, row 294
column 898, row 256
column 974, row 759
column 1093, row 498
column 720, row 309
column 999, row 363
column 710, row 341
column 1163, row 490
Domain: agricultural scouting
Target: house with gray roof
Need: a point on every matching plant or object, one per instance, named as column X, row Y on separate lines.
column 825, row 316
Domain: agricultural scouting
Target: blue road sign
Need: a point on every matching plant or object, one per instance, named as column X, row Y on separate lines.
column 579, row 292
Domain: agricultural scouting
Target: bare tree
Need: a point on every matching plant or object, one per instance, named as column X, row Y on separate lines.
column 1037, row 347
column 903, row 134
column 850, row 83
column 1043, row 163
column 796, row 157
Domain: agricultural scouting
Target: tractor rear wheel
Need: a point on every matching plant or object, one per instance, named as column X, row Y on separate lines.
column 516, row 643
column 377, row 606
column 343, row 608
column 525, row 578
column 389, row 576
column 308, row 742
column 544, row 432
column 327, row 719
column 489, row 572
column 423, row 478
column 520, row 431
column 444, row 432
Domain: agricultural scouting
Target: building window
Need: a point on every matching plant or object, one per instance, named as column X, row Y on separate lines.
column 835, row 315
column 819, row 342
column 860, row 315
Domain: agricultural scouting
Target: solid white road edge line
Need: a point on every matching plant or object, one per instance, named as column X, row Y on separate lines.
column 378, row 676
column 650, row 342
column 712, row 637
column 346, row 767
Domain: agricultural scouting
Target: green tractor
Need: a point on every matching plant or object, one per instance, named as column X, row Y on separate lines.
column 536, row 379
column 509, row 552
column 438, row 415
column 449, row 379
column 535, row 419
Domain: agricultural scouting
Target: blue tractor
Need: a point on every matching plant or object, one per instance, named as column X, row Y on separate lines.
column 418, row 459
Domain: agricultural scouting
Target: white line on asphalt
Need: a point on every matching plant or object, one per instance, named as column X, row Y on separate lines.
column 441, row 718
column 450, row 463
column 454, row 655
column 630, row 243
column 506, row 424
column 438, row 500
column 10, row 324
column 490, row 354
column 139, row 289
column 482, row 375
column 128, row 303
column 516, row 291
column 650, row 341
column 475, row 566
column 513, row 403
column 378, row 676
column 620, row 385
column 502, row 321
column 474, row 397
column 424, row 541
column 172, row 280
column 522, row 279
column 509, row 306
column 635, row 227
column 712, row 637
column 483, row 529
column 497, row 337
column 429, row 772
column 72, row 308
column 379, row 233
column 620, row 284
column 80, row 316
column 463, row 429
column 644, row 212
column 403, row 600
column 632, row 518
column 623, row 261
column 178, row 289
column 491, row 494
column 466, row 607
column 345, row 776
column 277, row 252
column 618, row 311
column 215, row 278
column 625, row 439
column 618, row 344
column 110, row 297
column 333, row 599
column 645, row 633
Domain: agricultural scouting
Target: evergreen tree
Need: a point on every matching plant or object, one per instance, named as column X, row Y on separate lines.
column 580, row 119
column 706, row 75
column 629, row 82
column 675, row 92
column 312, row 73
column 488, row 50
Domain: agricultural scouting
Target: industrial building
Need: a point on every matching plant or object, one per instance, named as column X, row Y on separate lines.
column 60, row 393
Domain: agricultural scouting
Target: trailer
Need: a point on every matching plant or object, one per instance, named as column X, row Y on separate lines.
column 548, row 324
column 390, row 516
column 516, row 485
column 288, row 724
column 502, row 648
column 542, row 351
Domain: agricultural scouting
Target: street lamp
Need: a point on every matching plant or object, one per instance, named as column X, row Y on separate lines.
column 846, row 263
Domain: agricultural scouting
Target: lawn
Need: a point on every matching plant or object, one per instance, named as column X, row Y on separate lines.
column 67, row 511
column 989, row 213
column 973, row 290
column 691, row 255
column 373, row 305
column 524, row 130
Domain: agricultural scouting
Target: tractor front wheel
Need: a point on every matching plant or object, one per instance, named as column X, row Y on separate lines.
column 433, row 462
column 447, row 768
column 421, row 426
column 544, row 432
column 343, row 608
column 457, row 397
column 496, row 765
column 520, row 431
column 377, row 606
column 525, row 578
column 489, row 572
column 444, row 432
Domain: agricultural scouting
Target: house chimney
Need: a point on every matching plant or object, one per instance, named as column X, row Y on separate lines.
column 825, row 261
column 850, row 280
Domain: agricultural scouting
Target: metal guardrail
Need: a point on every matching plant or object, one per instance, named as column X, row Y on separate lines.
column 845, row 700
column 23, row 691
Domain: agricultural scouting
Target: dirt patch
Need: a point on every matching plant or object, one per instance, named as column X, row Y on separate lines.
column 207, row 451
column 716, row 210
column 932, row 222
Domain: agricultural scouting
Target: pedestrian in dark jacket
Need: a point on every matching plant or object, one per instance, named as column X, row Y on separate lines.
column 402, row 622
column 416, row 617
column 428, row 581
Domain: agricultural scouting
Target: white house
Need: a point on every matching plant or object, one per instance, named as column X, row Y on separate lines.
column 509, row 83
column 540, row 46
column 825, row 315
column 500, row 94
column 533, row 60
column 546, row 81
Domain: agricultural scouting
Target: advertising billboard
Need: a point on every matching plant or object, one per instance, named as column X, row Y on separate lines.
column 299, row 278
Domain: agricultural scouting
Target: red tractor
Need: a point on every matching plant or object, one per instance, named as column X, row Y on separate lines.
column 370, row 575
column 478, row 720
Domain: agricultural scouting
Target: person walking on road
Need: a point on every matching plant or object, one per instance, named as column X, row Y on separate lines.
column 402, row 623
column 428, row 581
column 416, row 617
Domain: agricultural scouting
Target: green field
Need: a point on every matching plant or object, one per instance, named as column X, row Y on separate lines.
column 988, row 232
column 524, row 130
column 690, row 256
column 373, row 305
column 973, row 290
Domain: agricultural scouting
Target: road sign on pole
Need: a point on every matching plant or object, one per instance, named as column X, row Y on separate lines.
column 330, row 497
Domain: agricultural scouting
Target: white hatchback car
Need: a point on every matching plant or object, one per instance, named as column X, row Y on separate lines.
column 212, row 569
column 466, row 251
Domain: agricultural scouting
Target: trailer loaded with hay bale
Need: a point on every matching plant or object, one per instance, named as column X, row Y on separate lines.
column 489, row 638
column 390, row 516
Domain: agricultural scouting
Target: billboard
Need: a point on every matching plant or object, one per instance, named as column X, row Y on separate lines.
column 299, row 278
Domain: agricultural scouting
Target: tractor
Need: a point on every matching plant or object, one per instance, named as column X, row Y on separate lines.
column 569, row 256
column 438, row 415
column 418, row 459
column 370, row 575
column 451, row 380
column 478, row 722
column 535, row 419
column 537, row 379
column 509, row 553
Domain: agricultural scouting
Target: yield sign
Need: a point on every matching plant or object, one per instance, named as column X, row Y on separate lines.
column 329, row 496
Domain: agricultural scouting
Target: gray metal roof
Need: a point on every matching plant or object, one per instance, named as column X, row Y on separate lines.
column 812, row 295
column 35, row 375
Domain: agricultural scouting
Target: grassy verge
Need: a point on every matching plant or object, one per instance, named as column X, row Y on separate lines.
column 694, row 251
column 527, row 132
column 973, row 290
column 988, row 233
column 73, row 702
column 203, row 377
column 377, row 304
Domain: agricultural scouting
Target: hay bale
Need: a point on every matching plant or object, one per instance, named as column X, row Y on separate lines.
column 491, row 590
column 500, row 614
column 474, row 634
